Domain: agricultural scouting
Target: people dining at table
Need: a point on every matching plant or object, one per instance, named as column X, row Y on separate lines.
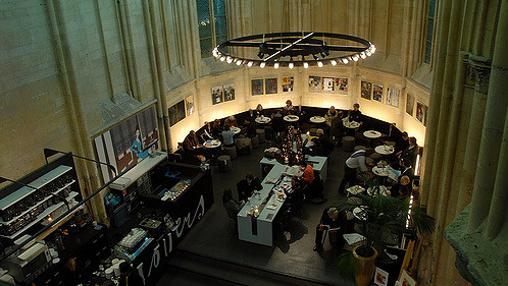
column 191, row 142
column 322, row 146
column 355, row 114
column 410, row 153
column 355, row 162
column 308, row 173
column 247, row 186
column 216, row 128
column 231, row 121
column 289, row 108
column 331, row 115
column 336, row 223
column 259, row 110
column 228, row 136
column 207, row 132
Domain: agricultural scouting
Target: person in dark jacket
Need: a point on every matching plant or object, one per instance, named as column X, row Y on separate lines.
column 247, row 186
column 356, row 114
column 334, row 221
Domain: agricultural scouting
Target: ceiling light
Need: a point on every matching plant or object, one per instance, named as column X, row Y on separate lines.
column 345, row 61
column 223, row 58
column 306, row 65
column 229, row 60
column 372, row 49
column 368, row 53
column 320, row 64
column 355, row 58
column 276, row 65
column 238, row 62
column 333, row 62
column 291, row 65
column 249, row 64
column 262, row 65
column 363, row 55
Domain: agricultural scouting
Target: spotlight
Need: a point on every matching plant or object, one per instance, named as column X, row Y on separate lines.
column 305, row 65
column 368, row 53
column 229, row 60
column 345, row 61
column 276, row 65
column 238, row 62
column 333, row 62
column 223, row 58
column 320, row 64
column 249, row 64
column 355, row 58
column 262, row 64
column 291, row 65
column 372, row 49
column 214, row 52
column 363, row 55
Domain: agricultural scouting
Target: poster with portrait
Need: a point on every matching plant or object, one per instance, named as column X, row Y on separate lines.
column 328, row 84
column 315, row 83
column 189, row 104
column 406, row 280
column 217, row 95
column 377, row 92
column 271, row 86
column 366, row 90
column 288, row 83
column 392, row 97
column 421, row 113
column 229, row 92
column 128, row 142
column 257, row 86
column 410, row 102
column 381, row 277
column 341, row 84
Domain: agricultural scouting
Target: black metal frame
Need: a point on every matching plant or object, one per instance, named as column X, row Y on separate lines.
column 276, row 46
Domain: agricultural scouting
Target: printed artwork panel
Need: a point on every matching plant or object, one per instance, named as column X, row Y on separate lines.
column 366, row 90
column 257, row 87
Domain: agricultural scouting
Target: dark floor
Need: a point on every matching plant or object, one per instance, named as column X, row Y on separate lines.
column 215, row 236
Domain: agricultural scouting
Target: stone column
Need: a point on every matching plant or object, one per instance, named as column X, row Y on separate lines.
column 497, row 102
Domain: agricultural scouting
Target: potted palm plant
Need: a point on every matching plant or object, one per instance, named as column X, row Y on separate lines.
column 378, row 219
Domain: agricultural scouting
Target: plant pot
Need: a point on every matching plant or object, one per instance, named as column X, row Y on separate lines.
column 364, row 266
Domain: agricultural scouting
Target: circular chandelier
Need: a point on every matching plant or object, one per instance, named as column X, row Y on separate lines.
column 291, row 49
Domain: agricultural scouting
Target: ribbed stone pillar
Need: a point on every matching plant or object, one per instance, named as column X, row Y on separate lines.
column 497, row 103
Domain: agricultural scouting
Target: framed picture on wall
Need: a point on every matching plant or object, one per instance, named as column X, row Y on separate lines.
column 328, row 84
column 271, row 86
column 176, row 113
column 377, row 92
column 315, row 83
column 392, row 97
column 421, row 113
column 410, row 102
column 366, row 90
column 381, row 277
column 288, row 83
column 229, row 92
column 341, row 84
column 217, row 96
column 257, row 87
column 189, row 104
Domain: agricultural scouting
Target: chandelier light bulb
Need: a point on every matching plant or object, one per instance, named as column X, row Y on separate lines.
column 368, row 53
column 305, row 65
column 333, row 62
column 238, row 62
column 362, row 55
column 214, row 52
column 229, row 60
column 345, row 61
column 276, row 65
column 262, row 65
column 249, row 64
column 320, row 64
column 355, row 58
column 223, row 58
column 372, row 49
column 291, row 65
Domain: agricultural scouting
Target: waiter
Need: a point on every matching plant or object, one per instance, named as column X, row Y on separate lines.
column 354, row 162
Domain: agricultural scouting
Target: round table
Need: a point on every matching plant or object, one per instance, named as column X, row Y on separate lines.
column 291, row 118
column 350, row 124
column 372, row 134
column 262, row 119
column 236, row 130
column 380, row 171
column 317, row 119
column 355, row 190
column 212, row 144
column 384, row 149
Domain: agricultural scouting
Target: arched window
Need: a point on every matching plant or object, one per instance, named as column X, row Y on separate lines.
column 431, row 10
column 212, row 25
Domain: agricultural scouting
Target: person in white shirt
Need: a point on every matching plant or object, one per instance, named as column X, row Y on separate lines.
column 354, row 162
